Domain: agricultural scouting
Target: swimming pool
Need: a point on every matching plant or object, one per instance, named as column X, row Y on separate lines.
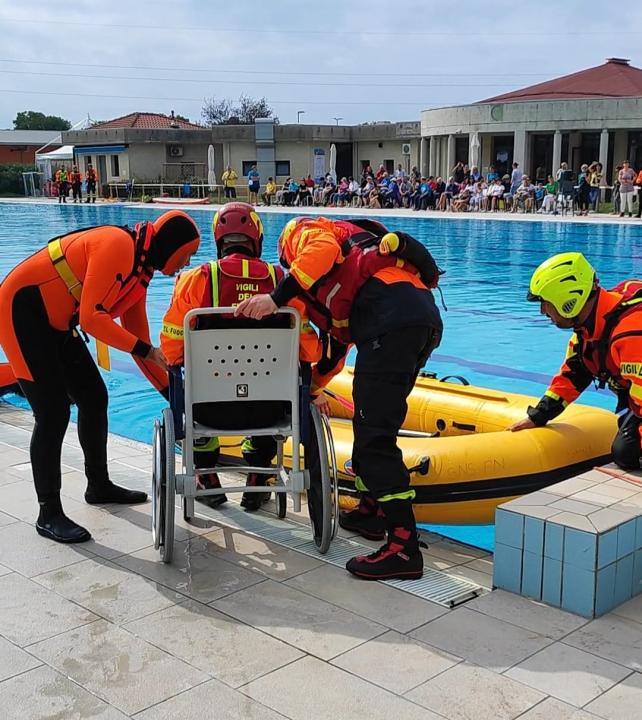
column 492, row 336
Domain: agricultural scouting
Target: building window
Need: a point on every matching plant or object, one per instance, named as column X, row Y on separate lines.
column 390, row 166
column 283, row 167
column 461, row 150
column 115, row 169
column 247, row 166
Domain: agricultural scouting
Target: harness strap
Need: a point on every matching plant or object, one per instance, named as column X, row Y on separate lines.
column 75, row 289
column 605, row 340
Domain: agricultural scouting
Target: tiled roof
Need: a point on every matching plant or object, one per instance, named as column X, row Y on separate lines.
column 149, row 121
column 616, row 78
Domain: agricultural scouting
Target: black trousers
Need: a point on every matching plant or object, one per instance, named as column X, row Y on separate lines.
column 63, row 373
column 384, row 374
column 626, row 446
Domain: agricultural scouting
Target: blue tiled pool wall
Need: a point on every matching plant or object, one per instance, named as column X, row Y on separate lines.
column 588, row 573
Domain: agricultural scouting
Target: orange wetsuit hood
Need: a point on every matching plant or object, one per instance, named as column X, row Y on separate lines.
column 176, row 238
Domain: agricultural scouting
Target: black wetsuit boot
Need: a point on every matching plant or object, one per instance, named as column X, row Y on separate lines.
column 100, row 489
column 366, row 518
column 52, row 523
column 400, row 557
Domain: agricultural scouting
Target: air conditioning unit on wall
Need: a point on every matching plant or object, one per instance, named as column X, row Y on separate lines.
column 405, row 148
column 175, row 151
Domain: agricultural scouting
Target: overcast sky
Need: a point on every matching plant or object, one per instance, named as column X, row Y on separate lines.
column 355, row 60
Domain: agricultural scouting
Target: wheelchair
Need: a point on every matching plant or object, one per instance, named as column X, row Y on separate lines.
column 230, row 365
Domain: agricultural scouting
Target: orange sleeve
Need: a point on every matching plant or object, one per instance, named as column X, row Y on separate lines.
column 573, row 377
column 135, row 320
column 317, row 252
column 188, row 294
column 309, row 343
column 106, row 261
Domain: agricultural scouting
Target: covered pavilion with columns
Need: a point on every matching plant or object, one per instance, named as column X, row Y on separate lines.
column 594, row 114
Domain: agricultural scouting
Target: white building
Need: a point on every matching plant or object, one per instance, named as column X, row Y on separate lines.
column 595, row 114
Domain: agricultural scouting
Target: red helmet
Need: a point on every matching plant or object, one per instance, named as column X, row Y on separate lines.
column 238, row 218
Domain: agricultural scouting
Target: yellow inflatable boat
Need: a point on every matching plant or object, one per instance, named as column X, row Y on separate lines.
column 465, row 461
column 471, row 463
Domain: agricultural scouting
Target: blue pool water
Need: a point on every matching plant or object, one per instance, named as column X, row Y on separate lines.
column 492, row 336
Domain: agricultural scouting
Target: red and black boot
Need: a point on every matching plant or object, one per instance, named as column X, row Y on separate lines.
column 399, row 558
column 210, row 481
column 253, row 501
column 367, row 519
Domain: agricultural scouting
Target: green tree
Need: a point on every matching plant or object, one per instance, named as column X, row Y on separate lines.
column 225, row 112
column 32, row 120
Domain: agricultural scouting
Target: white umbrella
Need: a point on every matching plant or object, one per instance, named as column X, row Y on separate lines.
column 211, row 175
column 475, row 144
column 333, row 162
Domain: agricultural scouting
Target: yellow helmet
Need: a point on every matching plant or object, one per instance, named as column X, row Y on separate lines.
column 565, row 280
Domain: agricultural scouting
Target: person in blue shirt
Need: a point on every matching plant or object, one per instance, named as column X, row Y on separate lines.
column 253, row 184
column 392, row 196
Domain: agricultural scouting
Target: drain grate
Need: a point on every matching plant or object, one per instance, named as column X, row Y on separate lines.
column 438, row 587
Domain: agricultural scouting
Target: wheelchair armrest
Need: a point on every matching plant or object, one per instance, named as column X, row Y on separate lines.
column 177, row 399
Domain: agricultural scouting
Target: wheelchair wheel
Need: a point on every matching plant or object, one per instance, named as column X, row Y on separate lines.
column 168, row 487
column 323, row 496
column 158, row 484
column 281, row 504
column 188, row 509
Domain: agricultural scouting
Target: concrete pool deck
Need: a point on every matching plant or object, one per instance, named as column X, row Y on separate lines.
column 239, row 627
column 592, row 219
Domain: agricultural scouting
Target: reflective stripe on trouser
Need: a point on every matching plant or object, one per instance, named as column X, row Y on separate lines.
column 385, row 372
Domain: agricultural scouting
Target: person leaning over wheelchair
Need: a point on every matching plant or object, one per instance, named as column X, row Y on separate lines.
column 237, row 274
column 365, row 285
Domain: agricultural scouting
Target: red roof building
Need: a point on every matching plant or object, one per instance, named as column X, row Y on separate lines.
column 594, row 115
column 147, row 121
column 615, row 78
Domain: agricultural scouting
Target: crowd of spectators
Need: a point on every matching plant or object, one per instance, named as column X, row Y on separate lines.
column 466, row 189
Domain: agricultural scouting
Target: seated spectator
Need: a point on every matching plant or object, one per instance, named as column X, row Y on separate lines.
column 270, row 192
column 461, row 201
column 309, row 182
column 317, row 195
column 438, row 189
column 540, row 192
column 508, row 195
column 341, row 195
column 354, row 189
column 366, row 173
column 405, row 188
column 373, row 198
column 476, row 195
column 380, row 173
column 384, row 181
column 474, row 173
column 391, row 197
column 492, row 174
column 426, row 196
column 329, row 190
column 524, row 196
column 304, row 195
column 495, row 193
column 280, row 194
column 400, row 172
column 451, row 189
column 368, row 187
column 549, row 203
column 415, row 175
